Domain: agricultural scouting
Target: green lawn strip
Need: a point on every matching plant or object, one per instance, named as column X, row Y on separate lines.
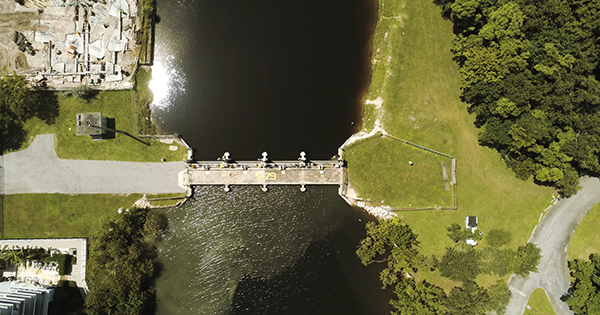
column 58, row 215
column 114, row 105
column 144, row 100
column 586, row 239
column 539, row 304
column 385, row 175
column 422, row 104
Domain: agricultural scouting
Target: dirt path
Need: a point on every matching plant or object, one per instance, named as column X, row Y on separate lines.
column 552, row 235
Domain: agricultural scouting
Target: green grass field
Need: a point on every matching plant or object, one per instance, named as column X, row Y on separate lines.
column 390, row 175
column 586, row 239
column 143, row 97
column 416, row 78
column 57, row 215
column 539, row 304
column 114, row 105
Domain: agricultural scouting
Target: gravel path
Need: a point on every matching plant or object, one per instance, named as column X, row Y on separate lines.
column 37, row 169
column 552, row 235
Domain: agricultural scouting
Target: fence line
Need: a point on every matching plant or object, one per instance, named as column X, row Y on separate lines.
column 385, row 135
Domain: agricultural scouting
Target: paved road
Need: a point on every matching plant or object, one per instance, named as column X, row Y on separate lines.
column 552, row 235
column 37, row 169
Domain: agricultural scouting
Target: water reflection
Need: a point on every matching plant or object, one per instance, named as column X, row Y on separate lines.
column 264, row 75
column 167, row 81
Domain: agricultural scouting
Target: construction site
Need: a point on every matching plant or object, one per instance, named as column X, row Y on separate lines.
column 63, row 44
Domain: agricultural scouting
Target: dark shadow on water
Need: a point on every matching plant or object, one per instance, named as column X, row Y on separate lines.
column 314, row 285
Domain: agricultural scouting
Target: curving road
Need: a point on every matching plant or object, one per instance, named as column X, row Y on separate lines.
column 552, row 235
column 37, row 169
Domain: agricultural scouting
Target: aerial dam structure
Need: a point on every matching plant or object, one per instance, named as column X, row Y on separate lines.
column 227, row 172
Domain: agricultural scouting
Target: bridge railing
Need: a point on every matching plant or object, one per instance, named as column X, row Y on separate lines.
column 241, row 165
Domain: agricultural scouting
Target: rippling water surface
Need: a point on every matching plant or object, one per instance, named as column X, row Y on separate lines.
column 245, row 77
column 285, row 245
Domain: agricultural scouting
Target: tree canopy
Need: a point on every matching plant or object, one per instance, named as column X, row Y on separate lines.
column 393, row 242
column 122, row 264
column 19, row 103
column 529, row 72
column 584, row 294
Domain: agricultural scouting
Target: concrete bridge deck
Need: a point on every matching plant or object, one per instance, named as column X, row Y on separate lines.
column 263, row 174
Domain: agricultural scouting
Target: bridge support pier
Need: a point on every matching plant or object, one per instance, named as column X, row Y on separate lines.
column 264, row 187
column 226, row 188
column 302, row 187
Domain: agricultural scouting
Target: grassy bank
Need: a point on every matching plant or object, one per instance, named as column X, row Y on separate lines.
column 165, row 200
column 148, row 12
column 143, row 99
column 390, row 176
column 416, row 81
column 116, row 105
column 539, row 304
column 57, row 215
column 586, row 239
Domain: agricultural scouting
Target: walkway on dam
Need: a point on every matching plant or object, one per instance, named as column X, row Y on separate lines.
column 38, row 169
column 301, row 173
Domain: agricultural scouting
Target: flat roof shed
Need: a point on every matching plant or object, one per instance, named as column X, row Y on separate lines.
column 86, row 123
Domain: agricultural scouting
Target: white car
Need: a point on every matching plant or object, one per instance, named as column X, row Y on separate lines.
column 471, row 224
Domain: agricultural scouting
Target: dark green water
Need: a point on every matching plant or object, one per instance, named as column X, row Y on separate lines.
column 245, row 77
column 281, row 252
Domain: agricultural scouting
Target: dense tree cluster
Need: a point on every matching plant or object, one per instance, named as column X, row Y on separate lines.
column 19, row 103
column 393, row 242
column 122, row 264
column 584, row 294
column 464, row 263
column 529, row 72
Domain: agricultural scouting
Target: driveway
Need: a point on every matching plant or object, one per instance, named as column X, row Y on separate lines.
column 552, row 235
column 38, row 169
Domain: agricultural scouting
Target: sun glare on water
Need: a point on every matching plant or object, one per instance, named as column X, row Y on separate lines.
column 165, row 83
column 159, row 84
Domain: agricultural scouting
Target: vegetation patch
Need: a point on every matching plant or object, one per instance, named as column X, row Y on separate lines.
column 116, row 106
column 586, row 239
column 165, row 200
column 539, row 304
column 122, row 264
column 143, row 99
column 147, row 24
column 386, row 169
column 529, row 72
column 20, row 105
column 584, row 294
column 58, row 215
column 418, row 84
column 392, row 242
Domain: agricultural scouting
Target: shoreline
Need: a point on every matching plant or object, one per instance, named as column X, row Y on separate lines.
column 348, row 193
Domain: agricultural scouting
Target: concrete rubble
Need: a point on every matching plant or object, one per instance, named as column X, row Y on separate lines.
column 62, row 44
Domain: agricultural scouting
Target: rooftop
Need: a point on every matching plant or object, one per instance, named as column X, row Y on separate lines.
column 85, row 121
